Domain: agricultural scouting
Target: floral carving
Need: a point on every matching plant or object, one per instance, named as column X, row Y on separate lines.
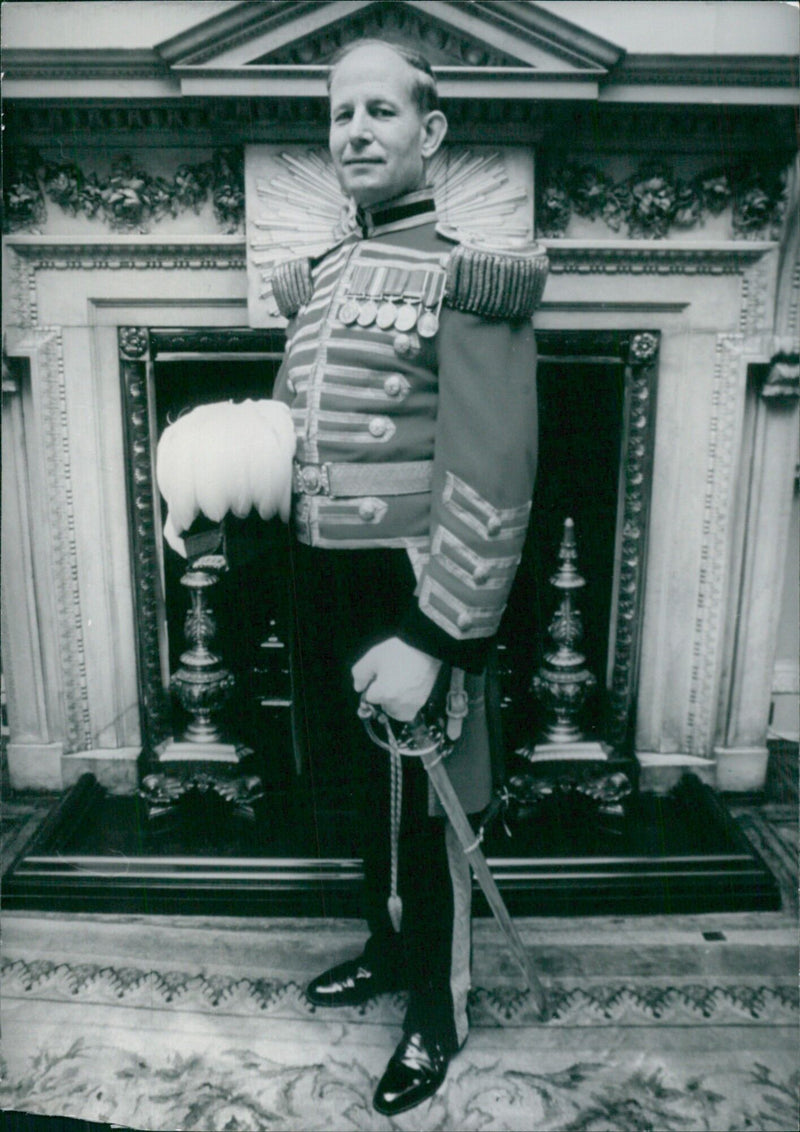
column 23, row 200
column 129, row 199
column 227, row 171
column 133, row 341
column 653, row 202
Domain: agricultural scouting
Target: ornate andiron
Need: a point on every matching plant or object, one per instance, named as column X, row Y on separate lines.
column 571, row 780
column 202, row 683
column 563, row 683
column 201, row 765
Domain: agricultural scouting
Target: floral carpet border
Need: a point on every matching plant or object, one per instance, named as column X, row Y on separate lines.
column 612, row 1004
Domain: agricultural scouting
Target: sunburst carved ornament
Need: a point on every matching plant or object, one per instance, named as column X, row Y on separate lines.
column 295, row 206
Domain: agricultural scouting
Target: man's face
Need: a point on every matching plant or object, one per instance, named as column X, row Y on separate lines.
column 377, row 134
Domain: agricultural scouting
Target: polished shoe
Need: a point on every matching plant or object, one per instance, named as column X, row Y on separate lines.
column 348, row 984
column 414, row 1073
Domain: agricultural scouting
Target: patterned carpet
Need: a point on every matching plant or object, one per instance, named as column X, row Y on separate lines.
column 659, row 1023
column 146, row 1022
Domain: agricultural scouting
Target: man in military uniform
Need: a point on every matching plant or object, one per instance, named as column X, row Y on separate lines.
column 410, row 373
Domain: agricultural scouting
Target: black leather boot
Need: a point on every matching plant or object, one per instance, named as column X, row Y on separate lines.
column 416, row 1070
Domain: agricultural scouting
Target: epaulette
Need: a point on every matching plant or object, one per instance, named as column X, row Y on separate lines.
column 291, row 285
column 493, row 281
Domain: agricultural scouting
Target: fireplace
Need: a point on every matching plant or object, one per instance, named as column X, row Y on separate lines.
column 663, row 477
column 86, row 687
column 597, row 411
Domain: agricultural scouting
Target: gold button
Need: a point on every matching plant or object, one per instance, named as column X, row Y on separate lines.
column 378, row 426
column 464, row 620
column 367, row 510
column 480, row 574
column 404, row 345
column 494, row 526
column 393, row 385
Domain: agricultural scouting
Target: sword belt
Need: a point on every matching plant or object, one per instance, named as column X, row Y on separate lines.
column 340, row 480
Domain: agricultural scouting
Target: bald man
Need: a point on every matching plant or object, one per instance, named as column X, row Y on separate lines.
column 410, row 373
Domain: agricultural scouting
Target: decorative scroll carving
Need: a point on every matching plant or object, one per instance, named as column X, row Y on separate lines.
column 51, row 393
column 143, row 516
column 295, row 205
column 129, row 199
column 636, row 461
column 654, row 203
column 726, row 398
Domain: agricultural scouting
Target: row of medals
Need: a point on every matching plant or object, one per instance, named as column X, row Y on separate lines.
column 417, row 311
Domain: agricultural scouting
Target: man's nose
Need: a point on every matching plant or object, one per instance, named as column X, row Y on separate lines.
column 360, row 128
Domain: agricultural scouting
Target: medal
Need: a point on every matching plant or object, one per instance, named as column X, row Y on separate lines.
column 412, row 297
column 372, row 292
column 351, row 307
column 367, row 313
column 348, row 312
column 427, row 324
column 387, row 312
column 406, row 318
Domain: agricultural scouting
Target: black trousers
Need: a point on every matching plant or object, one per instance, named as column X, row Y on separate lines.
column 344, row 602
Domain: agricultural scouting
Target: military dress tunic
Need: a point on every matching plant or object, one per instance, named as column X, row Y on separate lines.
column 410, row 374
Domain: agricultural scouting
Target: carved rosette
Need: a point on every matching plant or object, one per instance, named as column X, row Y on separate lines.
column 133, row 341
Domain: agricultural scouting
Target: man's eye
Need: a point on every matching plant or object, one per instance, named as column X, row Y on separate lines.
column 342, row 116
column 383, row 112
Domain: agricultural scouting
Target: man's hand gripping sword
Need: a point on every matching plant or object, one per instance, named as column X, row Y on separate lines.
column 429, row 741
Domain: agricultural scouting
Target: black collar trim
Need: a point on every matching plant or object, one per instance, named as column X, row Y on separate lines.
column 417, row 207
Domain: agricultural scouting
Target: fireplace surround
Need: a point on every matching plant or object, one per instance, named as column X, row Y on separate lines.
column 703, row 681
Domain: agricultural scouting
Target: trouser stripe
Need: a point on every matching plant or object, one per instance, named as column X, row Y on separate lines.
column 461, row 881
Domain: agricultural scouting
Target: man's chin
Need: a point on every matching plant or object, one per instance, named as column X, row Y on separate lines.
column 367, row 189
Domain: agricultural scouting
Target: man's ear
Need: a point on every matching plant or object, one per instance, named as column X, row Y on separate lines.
column 434, row 126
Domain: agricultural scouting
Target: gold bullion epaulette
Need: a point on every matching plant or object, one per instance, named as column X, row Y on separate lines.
column 291, row 285
column 485, row 277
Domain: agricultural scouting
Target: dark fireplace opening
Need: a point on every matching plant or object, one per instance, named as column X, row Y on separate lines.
column 585, row 381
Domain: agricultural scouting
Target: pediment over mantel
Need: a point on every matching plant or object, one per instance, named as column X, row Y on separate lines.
column 483, row 51
column 507, row 49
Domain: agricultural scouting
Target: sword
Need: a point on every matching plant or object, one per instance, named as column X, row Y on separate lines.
column 431, row 745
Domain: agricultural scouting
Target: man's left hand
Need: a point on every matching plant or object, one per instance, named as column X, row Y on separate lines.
column 396, row 677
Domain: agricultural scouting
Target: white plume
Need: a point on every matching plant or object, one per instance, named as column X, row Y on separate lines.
column 226, row 457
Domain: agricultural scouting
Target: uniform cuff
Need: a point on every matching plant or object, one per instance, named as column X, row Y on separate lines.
column 418, row 630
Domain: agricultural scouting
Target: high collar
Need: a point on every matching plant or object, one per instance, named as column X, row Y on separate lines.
column 407, row 211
